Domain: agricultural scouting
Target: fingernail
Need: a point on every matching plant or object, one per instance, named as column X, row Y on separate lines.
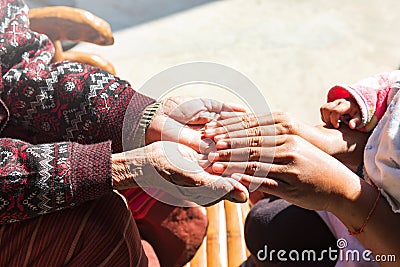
column 218, row 168
column 211, row 124
column 210, row 132
column 219, row 137
column 222, row 144
column 240, row 198
column 243, row 197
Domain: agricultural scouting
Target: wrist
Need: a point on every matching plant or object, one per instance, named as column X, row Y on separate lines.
column 127, row 166
column 356, row 208
column 147, row 131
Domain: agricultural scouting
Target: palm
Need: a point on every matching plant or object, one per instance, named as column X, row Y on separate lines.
column 182, row 120
column 184, row 176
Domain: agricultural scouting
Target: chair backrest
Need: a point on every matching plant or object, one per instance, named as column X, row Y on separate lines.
column 63, row 23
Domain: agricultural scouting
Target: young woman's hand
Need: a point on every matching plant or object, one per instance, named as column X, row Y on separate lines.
column 247, row 130
column 289, row 167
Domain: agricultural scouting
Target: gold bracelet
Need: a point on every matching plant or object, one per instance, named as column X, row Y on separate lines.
column 147, row 117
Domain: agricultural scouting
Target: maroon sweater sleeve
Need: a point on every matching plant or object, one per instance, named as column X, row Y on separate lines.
column 69, row 115
column 65, row 101
column 38, row 179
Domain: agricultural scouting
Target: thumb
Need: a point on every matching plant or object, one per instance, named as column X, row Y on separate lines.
column 224, row 188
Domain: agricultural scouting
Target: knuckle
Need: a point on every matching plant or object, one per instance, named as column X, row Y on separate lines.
column 285, row 126
column 246, row 121
column 232, row 143
column 255, row 131
column 288, row 125
column 280, row 140
column 225, row 155
column 282, row 116
column 256, row 141
column 254, row 154
column 253, row 167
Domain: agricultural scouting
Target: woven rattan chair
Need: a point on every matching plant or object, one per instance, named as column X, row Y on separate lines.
column 63, row 23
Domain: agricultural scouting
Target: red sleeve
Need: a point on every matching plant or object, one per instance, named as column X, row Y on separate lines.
column 372, row 95
column 47, row 104
column 65, row 101
column 38, row 179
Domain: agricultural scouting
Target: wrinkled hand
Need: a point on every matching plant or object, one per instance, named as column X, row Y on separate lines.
column 179, row 170
column 344, row 109
column 289, row 167
column 182, row 120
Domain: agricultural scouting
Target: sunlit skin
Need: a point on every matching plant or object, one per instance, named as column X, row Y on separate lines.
column 304, row 172
column 179, row 120
column 341, row 110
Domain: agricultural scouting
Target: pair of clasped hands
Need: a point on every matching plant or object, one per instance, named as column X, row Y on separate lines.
column 201, row 142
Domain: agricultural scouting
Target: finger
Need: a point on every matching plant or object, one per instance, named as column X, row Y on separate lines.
column 267, row 185
column 176, row 132
column 325, row 112
column 255, row 141
column 238, row 123
column 269, row 130
column 325, row 115
column 217, row 188
column 229, row 107
column 233, row 124
column 212, row 109
column 355, row 122
column 229, row 115
column 239, row 194
column 205, row 163
column 203, row 117
column 209, row 189
column 342, row 108
column 254, row 168
column 334, row 119
column 216, row 106
column 356, row 118
column 264, row 154
column 251, row 168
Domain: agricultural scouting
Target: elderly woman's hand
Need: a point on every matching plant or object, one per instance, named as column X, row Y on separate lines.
column 182, row 120
column 176, row 169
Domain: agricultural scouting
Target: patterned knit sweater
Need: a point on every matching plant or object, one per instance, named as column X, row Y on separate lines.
column 59, row 123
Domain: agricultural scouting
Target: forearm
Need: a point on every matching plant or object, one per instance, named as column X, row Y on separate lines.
column 127, row 167
column 381, row 234
column 344, row 144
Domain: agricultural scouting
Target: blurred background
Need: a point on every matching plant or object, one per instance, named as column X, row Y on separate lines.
column 293, row 50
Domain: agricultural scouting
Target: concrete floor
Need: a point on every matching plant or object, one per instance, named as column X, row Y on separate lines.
column 292, row 50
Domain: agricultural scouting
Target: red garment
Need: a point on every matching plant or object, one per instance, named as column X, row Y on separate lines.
column 82, row 236
column 373, row 95
column 54, row 103
column 70, row 116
